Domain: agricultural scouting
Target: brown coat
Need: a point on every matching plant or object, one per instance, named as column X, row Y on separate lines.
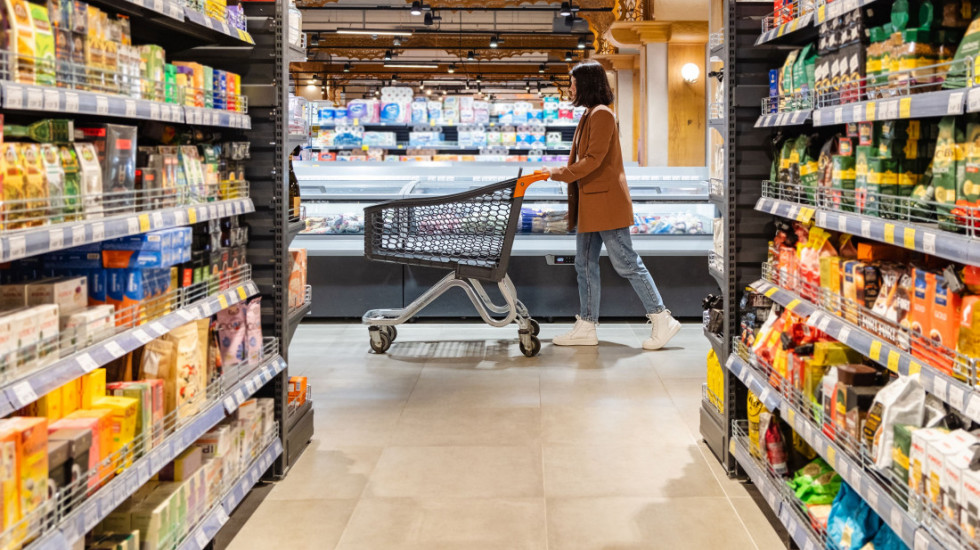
column 598, row 197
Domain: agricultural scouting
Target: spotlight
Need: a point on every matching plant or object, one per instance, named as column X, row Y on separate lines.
column 377, row 92
column 581, row 43
column 451, row 69
column 416, row 8
column 479, row 79
column 493, row 41
column 396, row 41
column 568, row 57
column 394, row 78
column 388, row 55
column 470, row 56
column 431, row 18
column 428, row 92
column 346, row 67
column 444, row 93
column 541, row 68
column 566, row 9
column 527, row 87
column 421, row 86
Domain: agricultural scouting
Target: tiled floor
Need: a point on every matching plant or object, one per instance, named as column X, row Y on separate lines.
column 454, row 440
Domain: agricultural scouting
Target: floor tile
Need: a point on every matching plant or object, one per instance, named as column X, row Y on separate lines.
column 644, row 524
column 632, row 424
column 334, row 472
column 355, row 425
column 447, row 524
column 476, row 391
column 605, row 470
column 468, row 426
column 295, row 524
column 755, row 520
column 457, row 472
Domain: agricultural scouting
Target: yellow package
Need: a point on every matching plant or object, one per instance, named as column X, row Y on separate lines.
column 50, row 405
column 124, row 410
column 755, row 408
column 9, row 478
column 968, row 341
column 93, row 387
column 13, row 185
column 826, row 354
column 43, row 45
column 71, row 397
column 21, row 40
column 35, row 184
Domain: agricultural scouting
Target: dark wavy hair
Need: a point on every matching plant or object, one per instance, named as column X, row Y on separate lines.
column 591, row 85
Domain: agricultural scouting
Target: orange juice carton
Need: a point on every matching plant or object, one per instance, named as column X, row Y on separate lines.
column 123, row 425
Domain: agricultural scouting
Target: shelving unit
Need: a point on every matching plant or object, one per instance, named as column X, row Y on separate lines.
column 954, row 383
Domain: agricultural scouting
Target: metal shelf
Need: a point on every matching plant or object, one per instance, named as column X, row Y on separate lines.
column 793, row 118
column 957, row 394
column 295, row 317
column 294, row 229
column 924, row 105
column 802, row 22
column 49, row 99
column 877, row 497
column 205, row 531
column 718, row 276
column 923, row 238
column 15, row 245
column 25, row 390
column 838, row 8
column 217, row 26
column 97, row 507
column 716, row 342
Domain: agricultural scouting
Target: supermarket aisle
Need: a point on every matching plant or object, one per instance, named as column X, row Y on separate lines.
column 455, row 440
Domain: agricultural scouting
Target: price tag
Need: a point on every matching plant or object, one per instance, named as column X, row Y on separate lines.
column 114, row 349
column 220, row 513
column 809, row 545
column 24, row 393
column 908, row 238
column 132, row 225
column 158, row 6
column 973, row 100
column 940, row 388
column 185, row 315
column 842, row 223
column 240, row 395
column 921, row 540
column 844, row 470
column 35, row 99
column 893, row 357
column 71, row 102
column 130, row 108
column 866, row 229
column 223, row 301
column 832, row 457
column 824, row 323
column 180, row 217
column 141, row 336
column 14, row 97
column 973, row 407
column 839, row 115
column 242, row 295
column 154, row 111
column 875, row 353
column 86, row 362
column 157, row 219
column 781, row 119
column 897, row 516
column 822, row 218
column 872, row 498
column 774, row 208
column 192, row 215
column 101, row 105
column 230, row 403
column 209, row 23
column 793, row 211
column 956, row 396
column 857, row 113
column 890, row 233
column 157, row 328
column 869, row 111
column 18, row 247
column 201, row 539
column 144, row 221
column 78, row 235
column 905, row 107
column 914, row 368
column 955, row 105
column 929, row 243
column 843, row 334
column 250, row 385
column 56, row 239
column 98, row 231
column 52, row 100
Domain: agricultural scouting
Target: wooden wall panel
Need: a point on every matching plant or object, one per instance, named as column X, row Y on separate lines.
column 686, row 104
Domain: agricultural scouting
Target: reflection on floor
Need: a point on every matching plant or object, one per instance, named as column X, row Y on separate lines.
column 454, row 440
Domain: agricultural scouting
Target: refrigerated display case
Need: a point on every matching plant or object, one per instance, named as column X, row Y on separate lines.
column 672, row 231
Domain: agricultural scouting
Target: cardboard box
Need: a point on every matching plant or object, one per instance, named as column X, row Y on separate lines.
column 970, row 505
column 124, row 411
column 21, row 40
column 49, row 405
column 88, row 326
column 13, row 296
column 70, row 294
column 28, row 334
column 297, row 276
column 71, row 396
column 8, row 346
column 184, row 466
column 951, row 483
column 937, row 453
column 143, row 394
column 48, row 324
column 99, row 421
column 59, row 465
column 32, row 454
column 80, row 455
column 9, row 477
column 93, row 387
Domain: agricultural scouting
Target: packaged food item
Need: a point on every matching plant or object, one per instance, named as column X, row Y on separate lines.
column 159, row 361
column 44, row 58
column 852, row 524
column 93, row 387
column 32, row 459
column 143, row 429
column 968, row 49
column 945, row 165
column 80, row 458
column 122, row 425
column 21, row 40
column 90, row 179
column 816, row 483
column 33, row 210
column 232, row 333
column 9, row 477
column 923, row 299
column 253, row 334
column 69, row 294
column 937, row 453
column 970, row 504
column 902, row 402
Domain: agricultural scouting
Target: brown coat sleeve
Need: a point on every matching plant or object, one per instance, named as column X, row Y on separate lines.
column 593, row 147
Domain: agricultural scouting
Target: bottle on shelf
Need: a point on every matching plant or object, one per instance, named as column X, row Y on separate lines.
column 43, row 131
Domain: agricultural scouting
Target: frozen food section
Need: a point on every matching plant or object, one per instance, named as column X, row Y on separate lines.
column 672, row 232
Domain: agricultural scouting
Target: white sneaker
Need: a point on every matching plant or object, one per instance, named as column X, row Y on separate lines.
column 582, row 334
column 664, row 328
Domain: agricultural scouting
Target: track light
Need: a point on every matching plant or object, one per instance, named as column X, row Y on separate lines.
column 479, row 80
column 394, row 78
column 346, row 67
column 541, row 68
column 566, row 9
column 396, row 41
column 431, row 18
column 421, row 86
column 493, row 41
column 471, row 55
column 568, row 57
column 451, row 69
column 527, row 87
column 377, row 92
column 444, row 93
column 581, row 43
column 416, row 8
column 428, row 92
column 387, row 55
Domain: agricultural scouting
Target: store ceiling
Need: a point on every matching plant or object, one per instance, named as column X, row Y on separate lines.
column 509, row 45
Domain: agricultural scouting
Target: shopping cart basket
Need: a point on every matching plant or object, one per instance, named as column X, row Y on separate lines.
column 470, row 233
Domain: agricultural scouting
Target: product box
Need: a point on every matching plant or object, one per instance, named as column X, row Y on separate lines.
column 27, row 332
column 69, row 294
column 81, row 459
column 143, row 394
column 297, row 390
column 48, row 324
column 32, row 459
column 970, row 504
column 9, row 477
column 937, row 453
column 123, row 423
column 267, row 411
column 945, row 324
column 13, row 296
column 8, row 347
column 90, row 180
column 93, row 387
column 184, row 466
column 951, row 483
column 115, row 145
column 923, row 299
column 49, row 405
column 44, row 59
column 71, row 396
column 59, row 465
column 88, row 326
column 99, row 422
column 297, row 277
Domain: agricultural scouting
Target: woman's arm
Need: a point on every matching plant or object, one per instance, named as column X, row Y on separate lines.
column 595, row 146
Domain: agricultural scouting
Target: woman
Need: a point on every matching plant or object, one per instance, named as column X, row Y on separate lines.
column 599, row 205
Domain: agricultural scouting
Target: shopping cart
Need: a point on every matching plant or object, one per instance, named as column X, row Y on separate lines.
column 470, row 233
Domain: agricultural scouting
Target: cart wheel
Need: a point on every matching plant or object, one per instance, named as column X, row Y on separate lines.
column 534, row 349
column 380, row 342
column 535, row 327
column 391, row 331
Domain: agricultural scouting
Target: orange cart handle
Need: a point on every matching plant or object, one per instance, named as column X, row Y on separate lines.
column 524, row 182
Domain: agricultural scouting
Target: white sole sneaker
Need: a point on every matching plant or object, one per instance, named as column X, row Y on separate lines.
column 649, row 345
column 559, row 341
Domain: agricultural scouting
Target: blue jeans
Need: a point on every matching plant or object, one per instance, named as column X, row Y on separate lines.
column 625, row 261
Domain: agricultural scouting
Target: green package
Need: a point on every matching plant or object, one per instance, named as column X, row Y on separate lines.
column 967, row 51
column 171, row 92
column 816, row 483
column 969, row 190
column 882, row 187
column 946, row 163
column 863, row 154
column 786, row 88
column 808, row 168
column 803, row 78
column 72, row 194
column 44, row 60
column 842, row 182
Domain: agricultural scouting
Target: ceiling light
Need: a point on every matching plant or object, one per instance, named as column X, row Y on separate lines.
column 479, row 79
column 541, row 68
column 444, row 93
column 471, row 55
column 581, row 43
column 493, row 41
column 568, row 57
column 347, row 67
column 428, row 92
column 411, row 66
column 416, row 8
column 397, row 41
column 451, row 69
column 566, row 9
column 421, row 86
column 372, row 32
column 394, row 78
column 527, row 87
column 387, row 55
column 377, row 92
column 431, row 18
column 571, row 20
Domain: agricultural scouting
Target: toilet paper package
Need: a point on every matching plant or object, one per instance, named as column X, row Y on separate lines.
column 450, row 110
column 481, row 112
column 420, row 111
column 365, row 111
column 395, row 105
column 550, row 111
column 466, row 111
column 435, row 112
